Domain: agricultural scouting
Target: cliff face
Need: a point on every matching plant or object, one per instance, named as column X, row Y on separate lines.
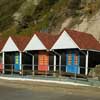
column 89, row 25
column 88, row 19
column 28, row 16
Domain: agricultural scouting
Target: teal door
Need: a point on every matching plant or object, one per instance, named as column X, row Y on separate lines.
column 72, row 62
column 17, row 62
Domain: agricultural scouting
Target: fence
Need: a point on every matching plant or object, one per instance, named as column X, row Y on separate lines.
column 53, row 70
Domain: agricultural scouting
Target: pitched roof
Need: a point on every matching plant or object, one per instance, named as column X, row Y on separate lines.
column 2, row 43
column 21, row 41
column 84, row 40
column 47, row 39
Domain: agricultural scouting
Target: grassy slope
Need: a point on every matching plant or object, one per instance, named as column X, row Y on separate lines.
column 7, row 8
column 48, row 15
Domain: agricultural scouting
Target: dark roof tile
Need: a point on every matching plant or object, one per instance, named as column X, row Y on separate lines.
column 21, row 41
column 2, row 43
column 84, row 40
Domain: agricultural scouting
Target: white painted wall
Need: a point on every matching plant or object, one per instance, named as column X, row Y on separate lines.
column 64, row 42
column 35, row 44
column 9, row 46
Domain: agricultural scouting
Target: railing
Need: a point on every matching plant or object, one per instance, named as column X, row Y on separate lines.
column 53, row 70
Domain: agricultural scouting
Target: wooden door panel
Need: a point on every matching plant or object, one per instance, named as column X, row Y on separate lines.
column 43, row 61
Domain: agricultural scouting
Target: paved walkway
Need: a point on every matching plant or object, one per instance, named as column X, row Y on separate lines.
column 45, row 80
column 50, row 79
column 22, row 90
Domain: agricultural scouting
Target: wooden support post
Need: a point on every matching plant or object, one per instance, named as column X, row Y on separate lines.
column 20, row 64
column 3, row 62
column 32, row 65
column 12, row 70
column 48, row 64
column 60, row 65
column 54, row 63
column 86, row 63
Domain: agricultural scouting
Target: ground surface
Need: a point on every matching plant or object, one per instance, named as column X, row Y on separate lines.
column 14, row 90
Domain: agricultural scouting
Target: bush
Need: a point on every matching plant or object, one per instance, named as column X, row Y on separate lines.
column 95, row 72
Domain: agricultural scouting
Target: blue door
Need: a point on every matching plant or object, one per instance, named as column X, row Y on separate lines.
column 72, row 62
column 17, row 62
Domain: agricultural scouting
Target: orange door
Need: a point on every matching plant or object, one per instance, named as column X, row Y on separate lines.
column 1, row 68
column 43, row 61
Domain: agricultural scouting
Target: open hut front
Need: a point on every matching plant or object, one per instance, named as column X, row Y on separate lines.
column 35, row 62
column 93, row 60
column 9, row 61
column 52, row 65
column 26, row 63
column 74, row 61
column 70, row 60
column 12, row 62
column 31, row 61
column 42, row 61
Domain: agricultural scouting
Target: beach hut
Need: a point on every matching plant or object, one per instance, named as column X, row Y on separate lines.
column 12, row 53
column 39, row 47
column 79, row 51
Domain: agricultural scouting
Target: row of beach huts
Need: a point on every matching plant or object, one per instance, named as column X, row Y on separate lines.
column 69, row 52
